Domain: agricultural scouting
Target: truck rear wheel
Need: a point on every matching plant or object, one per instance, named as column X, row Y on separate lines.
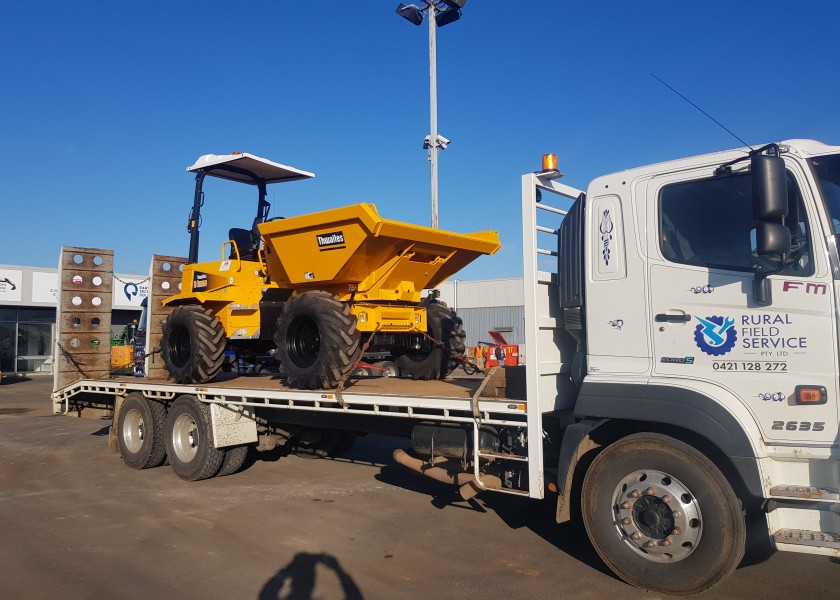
column 193, row 345
column 317, row 340
column 234, row 459
column 140, row 434
column 189, row 440
column 431, row 361
column 662, row 516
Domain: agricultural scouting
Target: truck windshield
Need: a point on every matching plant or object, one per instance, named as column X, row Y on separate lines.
column 827, row 171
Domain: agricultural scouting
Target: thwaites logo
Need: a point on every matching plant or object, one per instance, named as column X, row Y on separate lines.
column 199, row 281
column 330, row 240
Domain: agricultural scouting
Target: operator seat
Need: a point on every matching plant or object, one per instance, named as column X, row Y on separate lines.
column 246, row 242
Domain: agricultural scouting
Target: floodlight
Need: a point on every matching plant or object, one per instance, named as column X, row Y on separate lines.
column 445, row 17
column 410, row 12
column 455, row 4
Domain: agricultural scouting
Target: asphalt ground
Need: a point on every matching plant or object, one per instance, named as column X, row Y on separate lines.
column 76, row 523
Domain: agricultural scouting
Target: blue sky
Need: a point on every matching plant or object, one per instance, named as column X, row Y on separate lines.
column 104, row 104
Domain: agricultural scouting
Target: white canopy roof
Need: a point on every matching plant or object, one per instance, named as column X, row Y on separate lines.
column 272, row 172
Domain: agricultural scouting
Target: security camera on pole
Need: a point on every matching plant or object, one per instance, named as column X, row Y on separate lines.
column 440, row 13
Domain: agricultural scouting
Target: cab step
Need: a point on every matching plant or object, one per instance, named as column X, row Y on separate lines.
column 805, row 492
column 802, row 537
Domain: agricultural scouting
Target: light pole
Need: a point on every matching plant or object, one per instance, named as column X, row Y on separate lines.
column 439, row 13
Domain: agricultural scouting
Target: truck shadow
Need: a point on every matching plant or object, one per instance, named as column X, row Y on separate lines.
column 297, row 580
column 538, row 516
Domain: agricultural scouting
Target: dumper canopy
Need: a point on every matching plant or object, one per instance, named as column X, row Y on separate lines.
column 247, row 168
column 241, row 167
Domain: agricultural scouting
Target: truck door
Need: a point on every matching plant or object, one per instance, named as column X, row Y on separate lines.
column 706, row 326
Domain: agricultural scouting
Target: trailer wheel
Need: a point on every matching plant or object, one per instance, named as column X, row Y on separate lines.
column 234, row 459
column 140, row 434
column 345, row 442
column 189, row 440
column 431, row 361
column 662, row 516
column 317, row 340
column 193, row 345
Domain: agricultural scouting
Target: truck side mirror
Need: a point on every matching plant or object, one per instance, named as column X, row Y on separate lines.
column 772, row 240
column 770, row 207
column 769, row 187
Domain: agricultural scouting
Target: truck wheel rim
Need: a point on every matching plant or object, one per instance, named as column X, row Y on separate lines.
column 657, row 516
column 185, row 438
column 133, row 431
column 180, row 346
column 303, row 342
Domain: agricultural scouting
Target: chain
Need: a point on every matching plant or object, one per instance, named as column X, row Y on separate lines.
column 72, row 359
column 351, row 370
column 134, row 282
column 468, row 367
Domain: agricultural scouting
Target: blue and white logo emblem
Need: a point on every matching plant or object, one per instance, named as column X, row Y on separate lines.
column 130, row 289
column 715, row 335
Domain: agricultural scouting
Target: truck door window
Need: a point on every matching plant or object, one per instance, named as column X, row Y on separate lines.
column 827, row 171
column 709, row 223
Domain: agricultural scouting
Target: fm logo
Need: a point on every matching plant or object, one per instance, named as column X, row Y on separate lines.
column 810, row 288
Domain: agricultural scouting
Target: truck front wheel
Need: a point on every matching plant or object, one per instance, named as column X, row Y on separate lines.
column 193, row 345
column 662, row 516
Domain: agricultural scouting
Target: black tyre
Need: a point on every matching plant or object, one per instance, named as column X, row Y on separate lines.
column 189, row 440
column 662, row 516
column 234, row 459
column 140, row 432
column 345, row 442
column 193, row 345
column 317, row 341
column 431, row 361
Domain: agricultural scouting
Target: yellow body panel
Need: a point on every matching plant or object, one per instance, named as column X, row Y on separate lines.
column 231, row 288
column 387, row 260
column 401, row 319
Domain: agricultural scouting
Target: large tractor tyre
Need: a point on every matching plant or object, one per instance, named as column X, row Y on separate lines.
column 234, row 459
column 662, row 516
column 431, row 361
column 140, row 434
column 189, row 440
column 317, row 341
column 193, row 345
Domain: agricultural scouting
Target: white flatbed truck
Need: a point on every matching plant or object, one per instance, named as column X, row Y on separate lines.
column 682, row 371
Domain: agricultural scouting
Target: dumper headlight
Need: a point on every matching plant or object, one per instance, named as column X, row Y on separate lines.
column 362, row 317
column 418, row 318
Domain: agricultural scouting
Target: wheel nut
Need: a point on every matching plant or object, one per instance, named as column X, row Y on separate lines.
column 625, row 505
column 677, row 531
column 676, row 514
column 635, row 494
column 650, row 491
column 649, row 545
column 665, row 543
column 636, row 536
column 626, row 521
column 666, row 498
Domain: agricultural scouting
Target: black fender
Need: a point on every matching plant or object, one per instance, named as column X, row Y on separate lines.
column 650, row 406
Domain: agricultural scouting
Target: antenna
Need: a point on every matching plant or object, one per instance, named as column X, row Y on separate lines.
column 702, row 111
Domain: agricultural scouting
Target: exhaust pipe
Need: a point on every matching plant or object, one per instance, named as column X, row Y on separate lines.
column 467, row 483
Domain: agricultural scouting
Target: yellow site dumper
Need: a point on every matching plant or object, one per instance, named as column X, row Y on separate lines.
column 318, row 290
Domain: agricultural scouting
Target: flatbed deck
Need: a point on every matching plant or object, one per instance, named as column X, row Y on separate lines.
column 452, row 399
